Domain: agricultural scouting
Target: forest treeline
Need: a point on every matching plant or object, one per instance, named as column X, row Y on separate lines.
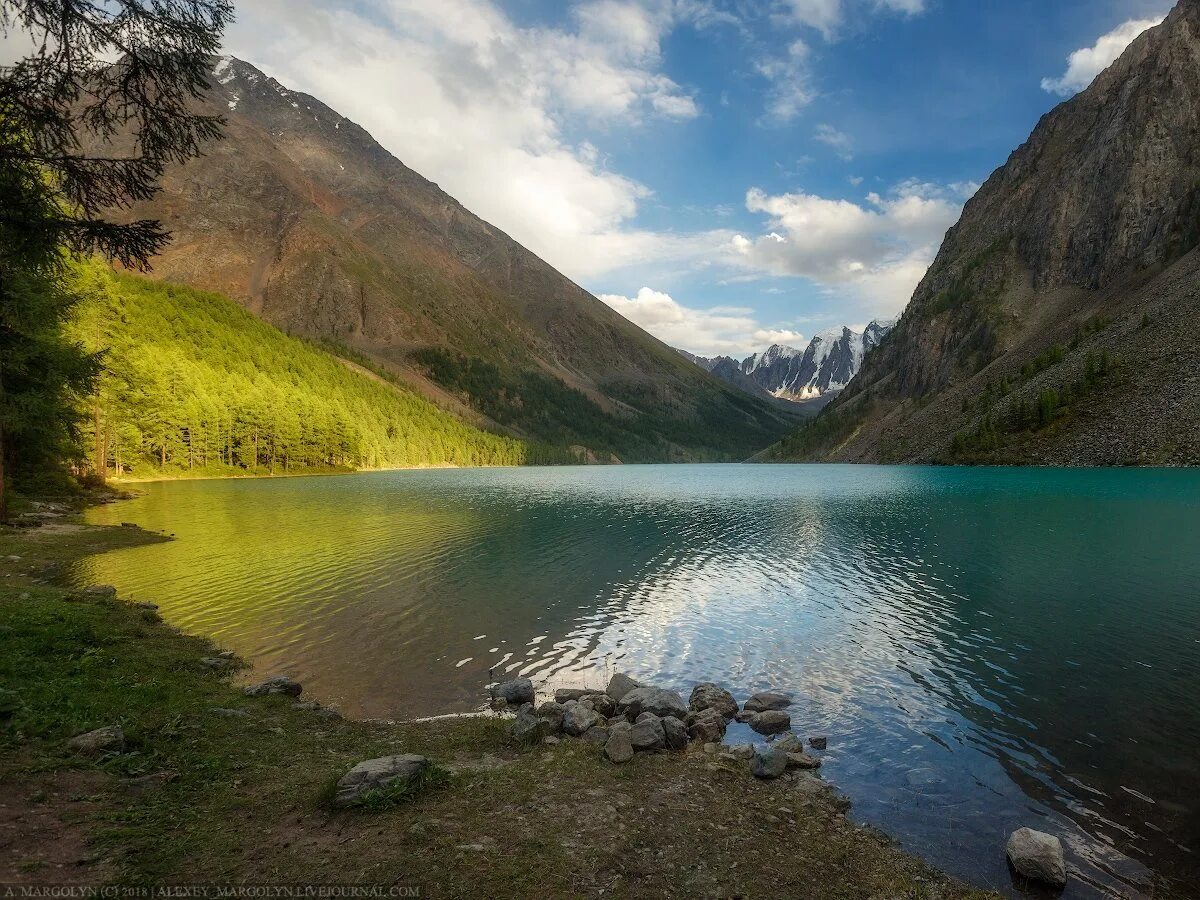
column 192, row 384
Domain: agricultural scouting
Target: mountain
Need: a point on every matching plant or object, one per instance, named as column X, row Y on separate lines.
column 831, row 359
column 304, row 219
column 1058, row 322
column 805, row 379
column 194, row 385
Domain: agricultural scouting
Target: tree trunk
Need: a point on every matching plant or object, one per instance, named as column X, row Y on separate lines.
column 100, row 462
column 3, row 490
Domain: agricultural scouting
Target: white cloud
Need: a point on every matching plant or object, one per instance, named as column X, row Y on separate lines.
column 720, row 331
column 790, row 81
column 1086, row 63
column 838, row 141
column 874, row 252
column 471, row 100
column 826, row 15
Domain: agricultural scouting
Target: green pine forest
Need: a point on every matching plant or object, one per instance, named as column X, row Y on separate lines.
column 193, row 385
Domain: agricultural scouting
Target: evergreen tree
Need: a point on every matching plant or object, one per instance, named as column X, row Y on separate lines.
column 80, row 137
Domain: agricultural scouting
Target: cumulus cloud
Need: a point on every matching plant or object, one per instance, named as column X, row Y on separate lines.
column 1087, row 62
column 875, row 251
column 720, row 331
column 480, row 104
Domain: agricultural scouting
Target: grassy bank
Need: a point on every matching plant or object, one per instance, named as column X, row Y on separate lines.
column 197, row 796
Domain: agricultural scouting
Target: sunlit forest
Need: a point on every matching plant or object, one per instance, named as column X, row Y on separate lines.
column 192, row 384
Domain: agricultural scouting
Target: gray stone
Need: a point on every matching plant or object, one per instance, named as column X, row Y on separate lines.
column 647, row 715
column 768, row 764
column 100, row 590
column 562, row 695
column 552, row 714
column 620, row 685
column 527, row 728
column 278, row 684
column 744, row 716
column 771, row 722
column 802, row 761
column 712, row 696
column 619, row 746
column 648, row 734
column 1037, row 856
column 765, row 700
column 709, row 727
column 518, row 690
column 818, row 742
column 577, row 719
column 376, row 775
column 743, row 751
column 216, row 662
column 109, row 739
column 603, row 704
column 675, row 732
column 659, row 701
column 596, row 735
column 788, row 743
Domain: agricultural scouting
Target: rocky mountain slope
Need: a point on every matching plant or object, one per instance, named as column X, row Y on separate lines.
column 308, row 222
column 809, row 377
column 1057, row 324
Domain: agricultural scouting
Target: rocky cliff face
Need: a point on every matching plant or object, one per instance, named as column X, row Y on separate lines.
column 308, row 222
column 827, row 365
column 1068, row 287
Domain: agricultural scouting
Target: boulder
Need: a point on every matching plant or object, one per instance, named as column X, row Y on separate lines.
column 552, row 714
column 765, row 700
column 744, row 716
column 376, row 775
column 743, row 751
column 577, row 719
column 789, row 743
column 278, row 684
column 819, row 742
column 712, row 696
column 562, row 695
column 109, row 739
column 620, row 685
column 646, row 715
column 648, row 734
column 802, row 761
column 708, row 727
column 619, row 746
column 603, row 704
column 1037, row 856
column 768, row 764
column 518, row 690
column 216, row 663
column 597, row 734
column 675, row 732
column 659, row 701
column 771, row 722
column 528, row 728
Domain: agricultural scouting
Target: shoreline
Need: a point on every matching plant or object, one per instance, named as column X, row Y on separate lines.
column 510, row 819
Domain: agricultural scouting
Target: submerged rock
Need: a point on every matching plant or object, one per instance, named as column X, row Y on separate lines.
column 376, row 775
column 771, row 722
column 768, row 764
column 278, row 684
column 620, row 685
column 765, row 700
column 1037, row 856
column 659, row 701
column 109, row 739
column 712, row 696
column 516, row 691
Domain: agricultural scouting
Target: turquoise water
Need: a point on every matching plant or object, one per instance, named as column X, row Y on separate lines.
column 985, row 648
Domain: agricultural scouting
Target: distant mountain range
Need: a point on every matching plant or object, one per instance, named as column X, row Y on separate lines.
column 305, row 220
column 812, row 376
column 1057, row 323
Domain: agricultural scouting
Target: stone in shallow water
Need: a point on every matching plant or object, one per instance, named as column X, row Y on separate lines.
column 768, row 764
column 802, row 761
column 278, row 684
column 518, row 690
column 707, row 695
column 788, row 743
column 1037, row 856
column 771, row 721
column 819, row 742
column 376, row 775
column 765, row 700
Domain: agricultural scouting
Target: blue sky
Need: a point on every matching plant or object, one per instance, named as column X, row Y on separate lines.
column 726, row 173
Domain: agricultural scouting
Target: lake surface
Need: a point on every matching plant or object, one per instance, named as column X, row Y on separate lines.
column 985, row 648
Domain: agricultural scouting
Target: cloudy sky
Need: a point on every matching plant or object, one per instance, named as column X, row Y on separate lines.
column 726, row 173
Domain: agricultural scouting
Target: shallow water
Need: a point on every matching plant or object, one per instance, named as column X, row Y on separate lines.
column 985, row 648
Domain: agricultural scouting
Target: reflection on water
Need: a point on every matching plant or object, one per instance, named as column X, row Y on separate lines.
column 985, row 648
